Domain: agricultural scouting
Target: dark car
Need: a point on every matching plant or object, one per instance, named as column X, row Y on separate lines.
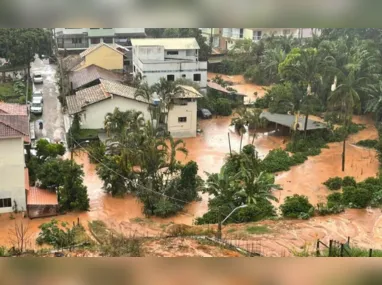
column 204, row 114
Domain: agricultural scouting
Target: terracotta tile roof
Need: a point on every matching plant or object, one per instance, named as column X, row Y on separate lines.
column 90, row 74
column 26, row 178
column 71, row 61
column 13, row 109
column 14, row 121
column 85, row 97
column 98, row 93
column 93, row 48
column 37, row 196
column 220, row 88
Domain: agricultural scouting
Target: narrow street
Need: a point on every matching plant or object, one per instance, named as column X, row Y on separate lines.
column 53, row 122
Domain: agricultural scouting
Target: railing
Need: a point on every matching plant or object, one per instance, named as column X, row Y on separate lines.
column 71, row 45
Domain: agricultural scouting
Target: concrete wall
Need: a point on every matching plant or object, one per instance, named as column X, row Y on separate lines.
column 104, row 57
column 152, row 78
column 94, row 115
column 12, row 179
column 183, row 129
column 149, row 52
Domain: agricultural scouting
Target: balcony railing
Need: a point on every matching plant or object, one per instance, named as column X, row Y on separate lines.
column 71, row 45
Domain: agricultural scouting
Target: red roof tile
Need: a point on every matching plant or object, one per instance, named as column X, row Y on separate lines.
column 14, row 121
column 37, row 196
column 13, row 109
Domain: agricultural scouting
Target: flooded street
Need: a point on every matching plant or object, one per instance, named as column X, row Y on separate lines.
column 242, row 86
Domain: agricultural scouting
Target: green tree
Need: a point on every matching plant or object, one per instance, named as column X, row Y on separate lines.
column 374, row 103
column 297, row 206
column 174, row 147
column 48, row 150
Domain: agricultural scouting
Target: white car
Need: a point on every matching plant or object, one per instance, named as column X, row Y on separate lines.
column 37, row 94
column 37, row 78
column 36, row 106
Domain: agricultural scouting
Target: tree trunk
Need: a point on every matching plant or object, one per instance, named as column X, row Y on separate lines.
column 343, row 154
column 296, row 117
column 306, row 123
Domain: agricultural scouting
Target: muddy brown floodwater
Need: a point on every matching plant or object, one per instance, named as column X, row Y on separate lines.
column 242, row 86
column 209, row 150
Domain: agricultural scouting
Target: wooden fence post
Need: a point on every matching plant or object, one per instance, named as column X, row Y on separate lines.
column 330, row 247
column 318, row 248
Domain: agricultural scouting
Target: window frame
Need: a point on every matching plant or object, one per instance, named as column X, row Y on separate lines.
column 199, row 75
column 173, row 77
column 180, row 120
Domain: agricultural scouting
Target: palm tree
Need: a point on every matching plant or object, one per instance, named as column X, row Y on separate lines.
column 256, row 187
column 174, row 147
column 344, row 99
column 145, row 92
column 166, row 91
column 270, row 62
column 374, row 104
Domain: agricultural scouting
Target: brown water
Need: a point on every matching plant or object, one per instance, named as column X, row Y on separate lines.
column 209, row 150
column 242, row 86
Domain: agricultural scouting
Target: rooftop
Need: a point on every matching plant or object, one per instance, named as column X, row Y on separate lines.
column 188, row 92
column 220, row 88
column 99, row 92
column 37, row 196
column 90, row 74
column 93, row 48
column 168, row 43
column 71, row 61
column 14, row 121
column 288, row 120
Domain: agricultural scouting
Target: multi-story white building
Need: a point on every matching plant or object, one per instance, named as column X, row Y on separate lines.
column 83, row 38
column 168, row 58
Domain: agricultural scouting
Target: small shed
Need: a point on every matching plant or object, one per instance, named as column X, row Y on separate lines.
column 41, row 203
column 226, row 93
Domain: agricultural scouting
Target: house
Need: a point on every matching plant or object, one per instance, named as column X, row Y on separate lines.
column 103, row 55
column 228, row 36
column 90, row 76
column 93, row 103
column 79, row 39
column 14, row 134
column 168, row 58
column 41, row 203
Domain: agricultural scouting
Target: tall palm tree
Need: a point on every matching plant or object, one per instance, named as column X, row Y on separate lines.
column 344, row 99
column 270, row 62
column 166, row 91
column 145, row 92
column 374, row 104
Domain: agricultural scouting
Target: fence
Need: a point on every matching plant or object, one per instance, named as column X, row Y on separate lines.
column 336, row 249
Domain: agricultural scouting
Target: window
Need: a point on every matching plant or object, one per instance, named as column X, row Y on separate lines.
column 197, row 77
column 108, row 40
column 4, row 203
column 183, row 75
column 182, row 119
column 172, row 52
column 257, row 35
column 170, row 77
column 95, row 41
column 76, row 41
column 241, row 33
column 94, row 28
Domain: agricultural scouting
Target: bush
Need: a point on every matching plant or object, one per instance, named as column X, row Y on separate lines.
column 368, row 143
column 298, row 158
column 356, row 197
column 349, row 181
column 263, row 103
column 334, row 199
column 165, row 208
column 276, row 160
column 297, row 207
column 334, row 183
column 223, row 107
column 324, row 210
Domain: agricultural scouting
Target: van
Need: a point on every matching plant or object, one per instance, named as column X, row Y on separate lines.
column 36, row 106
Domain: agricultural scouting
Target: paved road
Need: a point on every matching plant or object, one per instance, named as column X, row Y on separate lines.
column 52, row 115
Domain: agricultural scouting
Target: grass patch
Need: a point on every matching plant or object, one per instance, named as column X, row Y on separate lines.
column 231, row 231
column 258, row 230
column 6, row 89
column 368, row 143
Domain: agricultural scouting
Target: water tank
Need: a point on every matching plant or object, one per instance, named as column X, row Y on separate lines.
column 156, row 101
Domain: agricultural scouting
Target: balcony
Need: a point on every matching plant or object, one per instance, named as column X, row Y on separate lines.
column 84, row 45
column 163, row 66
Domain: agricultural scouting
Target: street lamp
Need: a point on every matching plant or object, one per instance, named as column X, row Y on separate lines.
column 219, row 233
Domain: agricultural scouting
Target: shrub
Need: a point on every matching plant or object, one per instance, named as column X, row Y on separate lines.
column 297, row 206
column 349, row 181
column 334, row 199
column 263, row 103
column 298, row 158
column 368, row 143
column 165, row 208
column 356, row 197
column 223, row 107
column 276, row 160
column 333, row 183
column 324, row 210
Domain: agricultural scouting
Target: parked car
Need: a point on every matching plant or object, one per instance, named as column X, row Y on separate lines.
column 204, row 114
column 38, row 94
column 37, row 78
column 36, row 106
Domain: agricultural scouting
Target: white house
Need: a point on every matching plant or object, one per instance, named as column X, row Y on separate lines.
column 169, row 58
column 95, row 102
column 14, row 132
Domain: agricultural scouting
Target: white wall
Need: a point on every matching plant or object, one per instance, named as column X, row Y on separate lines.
column 183, row 129
column 12, row 179
column 94, row 115
column 148, row 52
column 152, row 78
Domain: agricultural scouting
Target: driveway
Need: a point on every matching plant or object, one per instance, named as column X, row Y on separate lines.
column 53, row 127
